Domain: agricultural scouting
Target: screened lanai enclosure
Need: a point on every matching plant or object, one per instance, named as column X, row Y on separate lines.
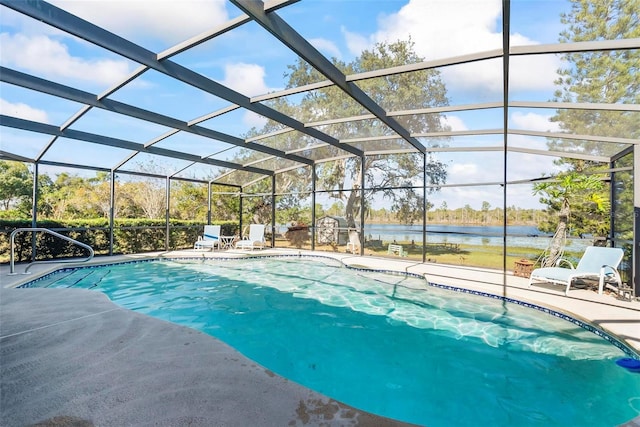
column 478, row 133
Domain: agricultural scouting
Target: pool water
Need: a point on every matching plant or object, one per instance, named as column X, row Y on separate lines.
column 387, row 344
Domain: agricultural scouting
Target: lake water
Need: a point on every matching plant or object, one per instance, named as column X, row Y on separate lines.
column 487, row 235
column 518, row 236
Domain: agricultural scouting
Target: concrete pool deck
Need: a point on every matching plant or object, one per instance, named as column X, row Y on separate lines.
column 72, row 358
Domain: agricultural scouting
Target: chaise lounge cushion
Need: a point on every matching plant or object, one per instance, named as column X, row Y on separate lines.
column 596, row 263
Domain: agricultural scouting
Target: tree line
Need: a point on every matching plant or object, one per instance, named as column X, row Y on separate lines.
column 468, row 215
column 69, row 196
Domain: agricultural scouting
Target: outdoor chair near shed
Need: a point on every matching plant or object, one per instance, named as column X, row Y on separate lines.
column 395, row 249
column 596, row 263
column 209, row 239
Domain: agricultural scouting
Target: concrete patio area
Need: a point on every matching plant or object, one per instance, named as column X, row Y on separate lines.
column 73, row 358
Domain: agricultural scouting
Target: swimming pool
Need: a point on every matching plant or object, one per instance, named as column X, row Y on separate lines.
column 389, row 344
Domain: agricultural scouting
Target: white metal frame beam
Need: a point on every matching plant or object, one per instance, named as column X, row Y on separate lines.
column 89, row 32
column 43, row 128
column 51, row 88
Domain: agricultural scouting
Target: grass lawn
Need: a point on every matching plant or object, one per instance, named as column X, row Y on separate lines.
column 483, row 256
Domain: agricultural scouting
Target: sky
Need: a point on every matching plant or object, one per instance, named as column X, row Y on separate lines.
column 253, row 63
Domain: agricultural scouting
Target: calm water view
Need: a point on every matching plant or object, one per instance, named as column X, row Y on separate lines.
column 488, row 235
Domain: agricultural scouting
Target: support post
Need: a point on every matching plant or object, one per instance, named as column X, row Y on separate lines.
column 362, row 201
column 506, row 34
column 273, row 211
column 424, row 207
column 34, row 212
column 635, row 273
column 612, row 199
column 313, row 207
column 166, row 213
column 240, row 213
column 112, row 210
column 209, row 203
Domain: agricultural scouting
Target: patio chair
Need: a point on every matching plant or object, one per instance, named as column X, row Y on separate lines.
column 209, row 239
column 255, row 238
column 596, row 263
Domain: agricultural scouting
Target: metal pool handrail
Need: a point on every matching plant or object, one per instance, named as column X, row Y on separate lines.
column 46, row 230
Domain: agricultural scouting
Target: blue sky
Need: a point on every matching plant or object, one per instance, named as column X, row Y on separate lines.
column 253, row 63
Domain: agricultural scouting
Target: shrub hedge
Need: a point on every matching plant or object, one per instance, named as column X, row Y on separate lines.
column 129, row 236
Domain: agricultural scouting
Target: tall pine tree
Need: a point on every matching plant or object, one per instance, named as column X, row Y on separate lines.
column 609, row 77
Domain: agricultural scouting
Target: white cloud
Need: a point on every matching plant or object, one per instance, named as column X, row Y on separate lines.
column 23, row 111
column 522, row 166
column 463, row 169
column 454, row 122
column 168, row 20
column 473, row 167
column 247, row 79
column 485, row 77
column 327, row 47
column 536, row 72
column 474, row 196
column 529, row 142
column 448, row 28
column 444, row 28
column 51, row 59
column 252, row 119
column 356, row 43
column 533, row 121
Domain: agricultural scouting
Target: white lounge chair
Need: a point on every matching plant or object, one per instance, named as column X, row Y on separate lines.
column 209, row 239
column 255, row 238
column 596, row 263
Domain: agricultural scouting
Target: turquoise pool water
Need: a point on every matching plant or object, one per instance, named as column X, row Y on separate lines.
column 388, row 344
